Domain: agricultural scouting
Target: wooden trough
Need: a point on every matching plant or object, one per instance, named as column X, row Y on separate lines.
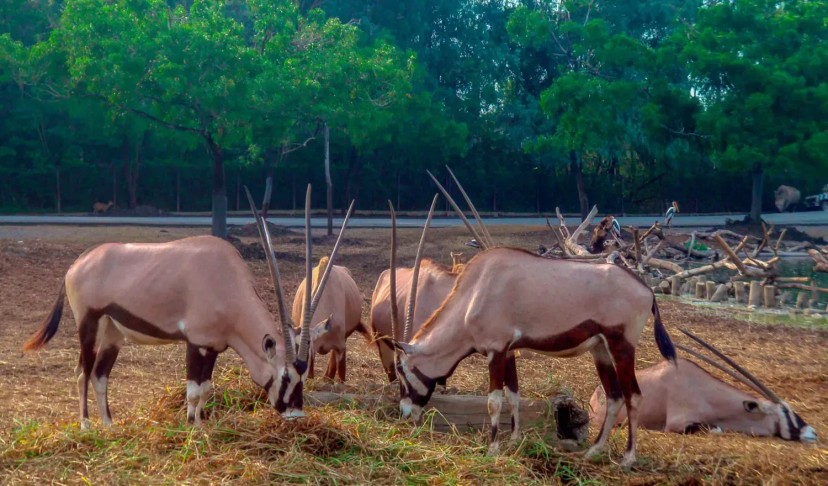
column 560, row 413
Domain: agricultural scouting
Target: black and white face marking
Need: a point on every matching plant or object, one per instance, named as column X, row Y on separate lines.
column 792, row 427
column 286, row 392
column 415, row 389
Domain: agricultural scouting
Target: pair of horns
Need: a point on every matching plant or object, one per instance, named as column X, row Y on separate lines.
column 744, row 376
column 412, row 296
column 311, row 301
column 483, row 237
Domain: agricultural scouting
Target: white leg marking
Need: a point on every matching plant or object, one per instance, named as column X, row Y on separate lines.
column 100, row 396
column 82, row 398
column 613, row 407
column 204, row 392
column 193, row 396
column 632, row 417
column 514, row 405
column 495, row 403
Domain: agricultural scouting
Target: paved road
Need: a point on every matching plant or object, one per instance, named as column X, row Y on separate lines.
column 814, row 218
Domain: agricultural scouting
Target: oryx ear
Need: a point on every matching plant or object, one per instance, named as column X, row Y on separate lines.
column 322, row 328
column 269, row 347
column 407, row 349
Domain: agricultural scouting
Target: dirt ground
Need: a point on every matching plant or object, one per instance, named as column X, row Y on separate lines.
column 792, row 361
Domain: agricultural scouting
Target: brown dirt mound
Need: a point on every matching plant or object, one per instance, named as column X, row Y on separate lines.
column 793, row 234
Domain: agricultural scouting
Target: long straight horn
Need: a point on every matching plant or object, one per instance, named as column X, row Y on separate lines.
column 483, row 228
column 412, row 296
column 275, row 276
column 317, row 296
column 459, row 212
column 395, row 313
column 759, row 386
column 304, row 337
column 737, row 377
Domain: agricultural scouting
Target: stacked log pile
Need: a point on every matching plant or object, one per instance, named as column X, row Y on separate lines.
column 750, row 262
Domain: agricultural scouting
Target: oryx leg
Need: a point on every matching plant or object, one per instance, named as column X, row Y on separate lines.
column 200, row 364
column 497, row 367
column 87, row 333
column 624, row 355
column 340, row 366
column 612, row 389
column 330, row 372
column 311, row 363
column 512, row 394
column 109, row 344
column 386, row 355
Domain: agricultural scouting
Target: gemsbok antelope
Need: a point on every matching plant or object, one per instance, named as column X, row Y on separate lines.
column 507, row 299
column 198, row 290
column 339, row 314
column 433, row 286
column 686, row 399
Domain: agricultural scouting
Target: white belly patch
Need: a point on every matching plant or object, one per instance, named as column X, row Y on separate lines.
column 577, row 350
column 138, row 338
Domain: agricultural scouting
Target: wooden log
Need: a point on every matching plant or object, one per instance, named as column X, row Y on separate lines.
column 675, row 285
column 720, row 295
column 586, row 222
column 755, row 297
column 710, row 289
column 793, row 279
column 700, row 290
column 731, row 255
column 821, row 263
column 802, row 300
column 470, row 412
column 770, row 296
column 562, row 222
column 740, row 290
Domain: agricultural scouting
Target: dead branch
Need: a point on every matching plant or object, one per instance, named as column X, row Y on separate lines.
column 586, row 222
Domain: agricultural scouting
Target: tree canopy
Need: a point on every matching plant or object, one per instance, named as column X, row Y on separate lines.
column 626, row 104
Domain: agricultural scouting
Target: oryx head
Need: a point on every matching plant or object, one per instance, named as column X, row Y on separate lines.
column 770, row 414
column 285, row 389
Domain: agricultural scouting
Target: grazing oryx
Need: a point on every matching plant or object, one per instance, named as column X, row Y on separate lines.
column 338, row 315
column 433, row 286
column 686, row 399
column 508, row 299
column 197, row 290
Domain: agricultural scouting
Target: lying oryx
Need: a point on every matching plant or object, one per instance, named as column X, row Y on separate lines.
column 508, row 299
column 686, row 399
column 197, row 290
column 338, row 314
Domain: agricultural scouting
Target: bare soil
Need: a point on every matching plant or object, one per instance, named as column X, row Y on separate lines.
column 792, row 361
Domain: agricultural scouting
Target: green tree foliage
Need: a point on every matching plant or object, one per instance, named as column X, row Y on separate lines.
column 758, row 67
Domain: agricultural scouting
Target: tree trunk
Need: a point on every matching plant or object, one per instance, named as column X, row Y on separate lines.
column 328, row 181
column 57, row 189
column 351, row 188
column 132, row 168
column 575, row 165
column 219, row 226
column 756, row 197
column 267, row 193
column 114, row 184
column 178, row 190
column 238, row 190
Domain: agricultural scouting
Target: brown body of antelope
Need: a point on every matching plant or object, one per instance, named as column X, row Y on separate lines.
column 100, row 207
column 508, row 299
column 339, row 312
column 433, row 286
column 686, row 399
column 197, row 290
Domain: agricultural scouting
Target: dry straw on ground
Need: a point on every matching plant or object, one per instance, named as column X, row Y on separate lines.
column 244, row 440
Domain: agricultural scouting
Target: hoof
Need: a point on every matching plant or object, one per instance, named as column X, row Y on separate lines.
column 592, row 452
column 494, row 449
column 628, row 461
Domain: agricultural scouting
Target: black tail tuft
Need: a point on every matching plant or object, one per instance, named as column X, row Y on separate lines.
column 662, row 339
column 49, row 326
